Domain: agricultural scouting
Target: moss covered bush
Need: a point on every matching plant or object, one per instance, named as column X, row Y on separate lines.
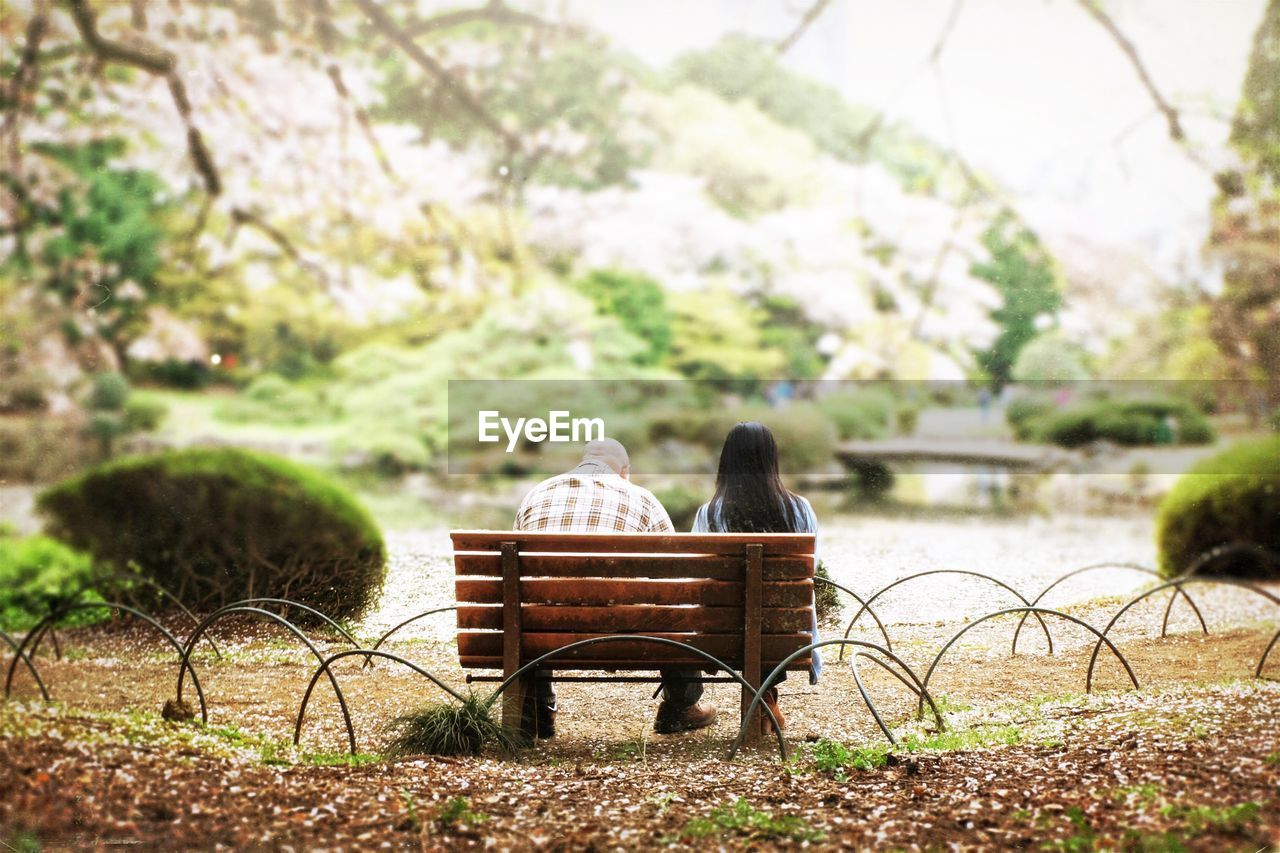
column 36, row 574
column 1232, row 497
column 217, row 525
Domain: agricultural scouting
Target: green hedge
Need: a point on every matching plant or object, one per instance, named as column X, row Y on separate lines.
column 217, row 525
column 37, row 573
column 1228, row 498
column 1129, row 423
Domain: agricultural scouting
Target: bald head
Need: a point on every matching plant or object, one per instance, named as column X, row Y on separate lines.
column 609, row 452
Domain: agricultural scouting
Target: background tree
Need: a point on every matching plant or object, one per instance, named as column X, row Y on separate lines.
column 1022, row 271
column 1246, row 221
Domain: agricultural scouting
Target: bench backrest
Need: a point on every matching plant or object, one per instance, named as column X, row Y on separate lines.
column 552, row 589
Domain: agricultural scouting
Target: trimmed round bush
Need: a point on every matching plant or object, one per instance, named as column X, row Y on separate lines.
column 109, row 392
column 1232, row 497
column 222, row 524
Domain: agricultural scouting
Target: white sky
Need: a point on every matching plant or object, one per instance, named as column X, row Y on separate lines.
column 1038, row 94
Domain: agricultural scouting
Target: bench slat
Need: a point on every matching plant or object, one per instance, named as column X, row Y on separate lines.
column 794, row 567
column 727, row 647
column 603, row 592
column 588, row 664
column 625, row 619
column 775, row 544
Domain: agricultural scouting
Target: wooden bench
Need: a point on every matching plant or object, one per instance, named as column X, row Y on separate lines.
column 743, row 598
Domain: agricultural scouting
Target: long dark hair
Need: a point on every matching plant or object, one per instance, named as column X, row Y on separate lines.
column 749, row 495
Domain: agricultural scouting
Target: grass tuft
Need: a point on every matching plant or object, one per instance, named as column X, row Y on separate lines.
column 456, row 728
column 744, row 819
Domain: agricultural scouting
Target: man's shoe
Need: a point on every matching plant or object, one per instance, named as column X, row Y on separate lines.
column 538, row 718
column 546, row 721
column 683, row 718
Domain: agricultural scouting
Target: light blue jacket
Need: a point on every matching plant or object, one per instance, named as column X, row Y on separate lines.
column 711, row 520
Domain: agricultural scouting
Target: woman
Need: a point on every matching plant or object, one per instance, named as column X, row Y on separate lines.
column 750, row 498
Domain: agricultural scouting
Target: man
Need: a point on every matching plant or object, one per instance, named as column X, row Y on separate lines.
column 598, row 496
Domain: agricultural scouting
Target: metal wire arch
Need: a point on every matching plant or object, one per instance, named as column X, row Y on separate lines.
column 996, row 581
column 777, row 670
column 185, row 664
column 1040, row 610
column 325, row 666
column 1182, row 580
column 1164, row 627
column 409, row 621
column 110, row 605
column 17, row 650
column 888, row 644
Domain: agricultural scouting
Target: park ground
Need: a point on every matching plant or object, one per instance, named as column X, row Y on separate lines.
column 1028, row 760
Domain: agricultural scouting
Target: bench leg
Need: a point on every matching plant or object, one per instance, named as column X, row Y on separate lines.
column 513, row 701
column 751, row 629
column 753, row 727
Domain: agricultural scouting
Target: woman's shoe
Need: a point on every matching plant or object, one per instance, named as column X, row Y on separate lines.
column 771, row 700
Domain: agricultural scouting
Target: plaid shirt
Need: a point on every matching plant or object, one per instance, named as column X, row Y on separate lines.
column 592, row 498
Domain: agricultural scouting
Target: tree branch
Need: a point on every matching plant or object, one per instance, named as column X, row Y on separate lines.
column 389, row 28
column 362, row 118
column 495, row 10
column 148, row 58
column 1094, row 8
column 240, row 216
column 161, row 63
column 814, row 12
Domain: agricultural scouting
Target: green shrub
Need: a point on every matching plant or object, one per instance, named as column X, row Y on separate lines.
column 872, row 479
column 38, row 449
column 272, row 399
column 638, row 303
column 681, row 503
column 908, row 418
column 174, row 373
column 1050, row 358
column 108, row 392
column 1232, row 497
column 806, row 437
column 385, row 452
column 864, row 414
column 105, row 428
column 36, row 574
column 143, row 414
column 23, row 392
column 1025, row 411
column 1129, row 423
column 218, row 525
column 826, row 597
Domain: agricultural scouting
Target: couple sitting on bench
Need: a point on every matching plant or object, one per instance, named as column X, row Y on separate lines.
column 598, row 497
